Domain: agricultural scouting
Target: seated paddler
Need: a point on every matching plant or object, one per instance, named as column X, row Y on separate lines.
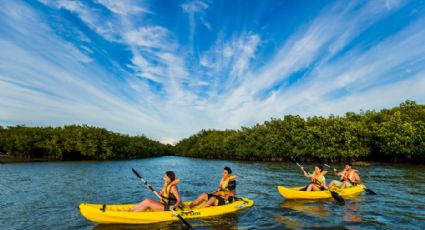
column 318, row 181
column 170, row 197
column 348, row 177
column 225, row 193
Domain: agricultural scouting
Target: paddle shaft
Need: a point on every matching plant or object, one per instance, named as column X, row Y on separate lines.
column 157, row 194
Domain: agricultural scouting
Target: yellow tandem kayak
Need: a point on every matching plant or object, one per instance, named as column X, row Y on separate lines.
column 117, row 213
column 295, row 193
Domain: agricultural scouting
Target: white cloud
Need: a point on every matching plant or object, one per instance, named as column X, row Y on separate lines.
column 230, row 86
column 374, row 78
column 194, row 7
column 107, row 27
column 150, row 37
column 123, row 7
column 319, row 41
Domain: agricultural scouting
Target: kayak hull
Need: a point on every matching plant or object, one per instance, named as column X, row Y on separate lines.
column 119, row 214
column 296, row 194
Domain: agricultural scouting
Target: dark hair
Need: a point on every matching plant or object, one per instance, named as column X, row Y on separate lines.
column 228, row 170
column 320, row 167
column 171, row 175
column 349, row 164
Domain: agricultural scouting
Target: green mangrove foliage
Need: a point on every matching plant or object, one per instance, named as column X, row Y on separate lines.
column 75, row 143
column 396, row 135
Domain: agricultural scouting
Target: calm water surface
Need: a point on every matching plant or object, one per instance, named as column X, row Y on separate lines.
column 46, row 195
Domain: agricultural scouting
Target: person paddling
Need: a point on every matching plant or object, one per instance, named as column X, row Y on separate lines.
column 225, row 193
column 170, row 197
column 349, row 177
column 318, row 182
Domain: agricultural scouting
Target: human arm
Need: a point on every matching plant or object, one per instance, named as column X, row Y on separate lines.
column 324, row 183
column 305, row 172
column 160, row 192
column 176, row 194
column 335, row 171
column 357, row 179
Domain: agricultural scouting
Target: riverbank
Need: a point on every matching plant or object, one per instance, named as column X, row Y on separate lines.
column 5, row 159
column 10, row 159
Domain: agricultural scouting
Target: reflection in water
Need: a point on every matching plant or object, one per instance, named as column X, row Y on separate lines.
column 290, row 222
column 350, row 213
column 228, row 221
column 321, row 209
column 164, row 225
column 352, row 209
column 315, row 208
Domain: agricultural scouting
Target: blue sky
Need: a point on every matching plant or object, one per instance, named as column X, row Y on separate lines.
column 168, row 69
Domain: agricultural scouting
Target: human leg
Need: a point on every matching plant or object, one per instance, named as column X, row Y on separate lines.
column 309, row 187
column 210, row 202
column 146, row 204
column 199, row 199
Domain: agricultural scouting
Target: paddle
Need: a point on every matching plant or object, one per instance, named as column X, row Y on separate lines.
column 334, row 194
column 156, row 193
column 368, row 191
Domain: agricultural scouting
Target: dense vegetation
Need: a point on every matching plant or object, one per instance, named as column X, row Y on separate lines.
column 396, row 135
column 75, row 143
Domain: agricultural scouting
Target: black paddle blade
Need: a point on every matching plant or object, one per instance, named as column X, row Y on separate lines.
column 184, row 222
column 136, row 173
column 337, row 197
column 370, row 192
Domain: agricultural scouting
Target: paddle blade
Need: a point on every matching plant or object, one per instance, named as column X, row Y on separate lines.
column 181, row 219
column 337, row 197
column 136, row 173
column 370, row 192
column 184, row 222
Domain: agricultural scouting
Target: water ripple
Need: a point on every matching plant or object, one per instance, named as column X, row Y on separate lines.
column 46, row 195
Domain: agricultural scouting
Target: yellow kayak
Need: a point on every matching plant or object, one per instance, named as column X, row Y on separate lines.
column 295, row 193
column 118, row 213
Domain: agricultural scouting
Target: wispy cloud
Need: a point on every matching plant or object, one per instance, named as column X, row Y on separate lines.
column 54, row 88
column 124, row 7
column 312, row 50
column 195, row 9
column 138, row 69
column 105, row 25
column 150, row 37
column 226, row 63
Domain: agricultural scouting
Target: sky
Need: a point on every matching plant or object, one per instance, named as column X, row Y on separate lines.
column 168, row 69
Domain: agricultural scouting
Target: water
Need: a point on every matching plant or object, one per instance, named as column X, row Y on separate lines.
column 46, row 195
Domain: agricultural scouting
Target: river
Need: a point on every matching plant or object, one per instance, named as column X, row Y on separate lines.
column 46, row 195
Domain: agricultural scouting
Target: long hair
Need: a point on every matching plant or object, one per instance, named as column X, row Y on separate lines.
column 171, row 175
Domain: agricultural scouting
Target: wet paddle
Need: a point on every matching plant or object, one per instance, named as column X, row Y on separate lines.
column 156, row 193
column 368, row 191
column 334, row 194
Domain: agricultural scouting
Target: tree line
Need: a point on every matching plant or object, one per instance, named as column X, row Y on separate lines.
column 390, row 135
column 75, row 142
